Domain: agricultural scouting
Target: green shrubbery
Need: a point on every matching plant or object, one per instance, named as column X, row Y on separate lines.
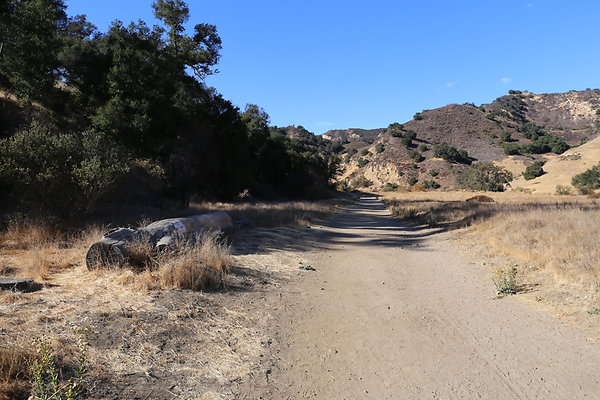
column 587, row 181
column 534, row 170
column 431, row 184
column 484, row 176
column 66, row 172
column 451, row 153
column 362, row 162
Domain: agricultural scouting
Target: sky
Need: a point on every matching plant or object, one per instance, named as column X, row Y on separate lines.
column 333, row 64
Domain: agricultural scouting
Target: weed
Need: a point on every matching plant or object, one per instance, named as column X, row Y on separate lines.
column 539, row 299
column 506, row 280
column 48, row 382
column 307, row 268
column 595, row 311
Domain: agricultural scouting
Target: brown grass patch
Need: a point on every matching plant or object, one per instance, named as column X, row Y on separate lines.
column 197, row 265
column 15, row 371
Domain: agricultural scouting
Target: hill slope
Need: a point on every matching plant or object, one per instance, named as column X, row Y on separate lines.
column 513, row 131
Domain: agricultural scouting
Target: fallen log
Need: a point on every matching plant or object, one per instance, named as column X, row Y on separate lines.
column 18, row 284
column 112, row 249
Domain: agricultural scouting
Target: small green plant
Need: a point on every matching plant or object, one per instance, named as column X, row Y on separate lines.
column 379, row 147
column 595, row 311
column 564, row 190
column 306, row 268
column 506, row 280
column 418, row 116
column 423, row 148
column 433, row 172
column 365, row 152
column 412, row 180
column 47, row 377
column 431, row 184
column 539, row 299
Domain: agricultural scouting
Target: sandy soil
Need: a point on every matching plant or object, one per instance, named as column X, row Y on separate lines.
column 394, row 311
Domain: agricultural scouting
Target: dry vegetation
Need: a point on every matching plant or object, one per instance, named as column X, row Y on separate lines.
column 194, row 341
column 553, row 240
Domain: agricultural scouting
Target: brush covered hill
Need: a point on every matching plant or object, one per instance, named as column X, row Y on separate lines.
column 514, row 131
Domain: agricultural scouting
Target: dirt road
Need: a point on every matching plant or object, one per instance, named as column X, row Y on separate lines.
column 394, row 312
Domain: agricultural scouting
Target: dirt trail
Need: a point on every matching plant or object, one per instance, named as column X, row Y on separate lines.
column 394, row 312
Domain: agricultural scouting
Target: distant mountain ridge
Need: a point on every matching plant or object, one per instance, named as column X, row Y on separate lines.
column 520, row 128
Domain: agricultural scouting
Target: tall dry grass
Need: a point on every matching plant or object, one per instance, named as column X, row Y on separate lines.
column 15, row 371
column 563, row 241
column 196, row 265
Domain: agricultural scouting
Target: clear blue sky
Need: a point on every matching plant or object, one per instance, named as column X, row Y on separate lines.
column 364, row 64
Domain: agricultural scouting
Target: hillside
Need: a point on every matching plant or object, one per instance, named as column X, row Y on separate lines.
column 561, row 168
column 512, row 131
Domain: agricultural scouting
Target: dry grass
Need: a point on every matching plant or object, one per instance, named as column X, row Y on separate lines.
column 197, row 264
column 269, row 214
column 564, row 241
column 15, row 371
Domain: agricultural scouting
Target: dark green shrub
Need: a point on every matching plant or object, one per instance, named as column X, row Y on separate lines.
column 415, row 155
column 423, row 148
column 418, row 116
column 412, row 180
column 352, row 152
column 362, row 162
column 534, row 170
column 484, row 176
column 65, row 173
column 395, row 129
column 365, row 152
column 589, row 179
column 433, row 172
column 379, row 147
column 451, row 153
column 511, row 149
column 431, row 184
column 506, row 137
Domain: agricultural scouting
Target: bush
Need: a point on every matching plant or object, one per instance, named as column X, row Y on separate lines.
column 423, row 148
column 389, row 187
column 360, row 182
column 589, row 179
column 506, row 137
column 65, row 173
column 431, row 184
column 395, row 129
column 511, row 149
column 433, row 172
column 506, row 280
column 484, row 176
column 534, row 170
column 415, row 155
column 412, row 180
column 365, row 152
column 564, row 190
column 362, row 162
column 379, row 147
column 418, row 116
column 451, row 153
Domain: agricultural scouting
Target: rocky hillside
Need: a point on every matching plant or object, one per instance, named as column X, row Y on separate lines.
column 513, row 131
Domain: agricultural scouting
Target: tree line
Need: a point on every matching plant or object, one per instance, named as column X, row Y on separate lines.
column 79, row 105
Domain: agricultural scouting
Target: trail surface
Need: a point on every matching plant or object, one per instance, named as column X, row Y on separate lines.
column 394, row 312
